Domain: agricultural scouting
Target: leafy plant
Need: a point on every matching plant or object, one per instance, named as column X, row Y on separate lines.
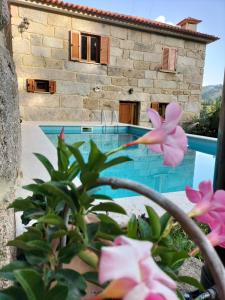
column 208, row 122
column 56, row 214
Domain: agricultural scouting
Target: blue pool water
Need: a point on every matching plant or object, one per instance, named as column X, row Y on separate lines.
column 147, row 167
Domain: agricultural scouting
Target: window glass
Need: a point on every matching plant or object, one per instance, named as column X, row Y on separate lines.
column 84, row 47
column 95, row 51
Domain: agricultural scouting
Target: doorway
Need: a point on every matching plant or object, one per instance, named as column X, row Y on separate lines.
column 128, row 112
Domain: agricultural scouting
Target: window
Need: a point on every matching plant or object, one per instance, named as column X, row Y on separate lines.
column 159, row 107
column 89, row 48
column 41, row 86
column 169, row 60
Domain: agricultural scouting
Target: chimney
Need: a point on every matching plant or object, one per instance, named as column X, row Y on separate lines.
column 189, row 23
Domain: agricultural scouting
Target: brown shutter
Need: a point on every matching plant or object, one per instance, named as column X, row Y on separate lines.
column 155, row 106
column 104, row 53
column 30, row 85
column 52, row 86
column 172, row 62
column 74, row 46
column 165, row 59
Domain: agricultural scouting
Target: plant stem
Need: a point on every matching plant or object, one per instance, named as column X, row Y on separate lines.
column 116, row 150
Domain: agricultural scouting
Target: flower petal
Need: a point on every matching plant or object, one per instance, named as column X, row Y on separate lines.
column 151, row 272
column 172, row 116
column 193, row 195
column 156, row 136
column 156, row 148
column 117, row 289
column 139, row 292
column 154, row 297
column 219, row 201
column 154, row 117
column 177, row 138
column 206, row 188
column 172, row 155
column 142, row 248
column 119, row 262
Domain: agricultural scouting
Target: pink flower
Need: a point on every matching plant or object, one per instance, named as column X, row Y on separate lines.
column 62, row 134
column 217, row 235
column 133, row 273
column 167, row 138
column 209, row 205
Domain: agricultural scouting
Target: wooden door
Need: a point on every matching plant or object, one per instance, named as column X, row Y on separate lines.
column 128, row 112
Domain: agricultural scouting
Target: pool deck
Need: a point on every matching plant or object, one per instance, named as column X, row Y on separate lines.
column 34, row 140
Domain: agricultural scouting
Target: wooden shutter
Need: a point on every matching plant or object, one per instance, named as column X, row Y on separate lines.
column 74, row 46
column 155, row 106
column 52, row 86
column 165, row 59
column 172, row 62
column 30, row 85
column 104, row 52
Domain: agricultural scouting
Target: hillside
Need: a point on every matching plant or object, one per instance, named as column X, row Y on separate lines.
column 211, row 92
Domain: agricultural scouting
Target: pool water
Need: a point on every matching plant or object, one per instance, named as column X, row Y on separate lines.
column 147, row 167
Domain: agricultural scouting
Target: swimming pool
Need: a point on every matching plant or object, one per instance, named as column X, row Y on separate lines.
column 146, row 167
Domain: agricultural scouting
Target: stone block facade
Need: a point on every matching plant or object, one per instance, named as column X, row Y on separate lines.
column 42, row 52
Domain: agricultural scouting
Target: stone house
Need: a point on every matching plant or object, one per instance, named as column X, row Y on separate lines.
column 73, row 62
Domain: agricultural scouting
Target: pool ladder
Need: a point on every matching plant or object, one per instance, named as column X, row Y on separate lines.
column 114, row 113
column 114, row 117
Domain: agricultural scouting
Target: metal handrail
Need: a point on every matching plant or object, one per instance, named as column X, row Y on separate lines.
column 114, row 112
column 103, row 116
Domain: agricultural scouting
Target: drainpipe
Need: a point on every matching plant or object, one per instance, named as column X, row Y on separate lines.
column 219, row 182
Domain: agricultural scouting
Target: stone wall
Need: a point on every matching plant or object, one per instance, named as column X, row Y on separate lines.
column 9, row 140
column 42, row 52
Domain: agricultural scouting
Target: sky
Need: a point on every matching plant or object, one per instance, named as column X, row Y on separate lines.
column 211, row 12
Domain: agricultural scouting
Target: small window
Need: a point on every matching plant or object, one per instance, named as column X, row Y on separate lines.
column 41, row 86
column 87, row 47
column 160, row 108
column 90, row 48
column 169, row 60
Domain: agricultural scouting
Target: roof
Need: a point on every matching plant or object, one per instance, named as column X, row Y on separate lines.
column 189, row 20
column 122, row 19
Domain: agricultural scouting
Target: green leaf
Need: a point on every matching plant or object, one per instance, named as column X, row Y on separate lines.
column 96, row 158
column 13, row 293
column 191, row 281
column 31, row 282
column 88, row 178
column 144, row 230
column 180, row 296
column 100, row 197
column 51, row 219
column 6, row 272
column 57, row 189
column 46, row 163
column 116, row 161
column 165, row 218
column 109, row 207
column 132, row 227
column 77, row 154
column 154, row 221
column 66, row 254
column 170, row 256
column 74, row 281
column 73, row 171
column 109, row 228
column 21, row 204
column 59, row 292
column 92, row 230
column 92, row 277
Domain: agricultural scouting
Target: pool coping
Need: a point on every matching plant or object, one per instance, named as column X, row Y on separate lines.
column 35, row 140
